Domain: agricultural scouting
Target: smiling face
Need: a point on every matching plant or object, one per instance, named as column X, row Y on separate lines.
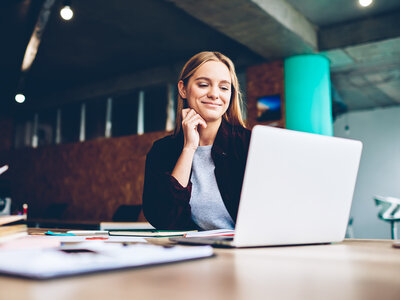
column 208, row 90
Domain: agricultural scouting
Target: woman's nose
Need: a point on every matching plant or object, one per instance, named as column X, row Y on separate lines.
column 213, row 93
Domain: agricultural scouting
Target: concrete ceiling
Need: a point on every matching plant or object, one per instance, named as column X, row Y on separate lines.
column 363, row 44
column 117, row 45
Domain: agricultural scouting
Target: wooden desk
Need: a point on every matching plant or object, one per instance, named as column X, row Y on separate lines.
column 355, row 269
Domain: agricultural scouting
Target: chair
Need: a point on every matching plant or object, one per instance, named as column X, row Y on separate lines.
column 127, row 213
column 389, row 211
column 55, row 210
column 349, row 230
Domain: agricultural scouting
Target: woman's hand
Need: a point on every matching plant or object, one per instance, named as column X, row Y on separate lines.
column 190, row 122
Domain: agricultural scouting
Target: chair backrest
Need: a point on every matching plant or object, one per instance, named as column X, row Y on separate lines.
column 55, row 210
column 389, row 208
column 127, row 213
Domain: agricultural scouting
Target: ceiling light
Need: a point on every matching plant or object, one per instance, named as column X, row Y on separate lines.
column 66, row 12
column 365, row 3
column 20, row 98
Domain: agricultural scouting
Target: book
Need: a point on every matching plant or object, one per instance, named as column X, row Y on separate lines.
column 149, row 233
column 12, row 227
column 125, row 226
column 12, row 219
column 5, row 230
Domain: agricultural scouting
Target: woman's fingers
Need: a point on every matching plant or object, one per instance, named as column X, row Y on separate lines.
column 199, row 120
column 191, row 121
column 194, row 120
column 203, row 122
column 188, row 113
column 185, row 111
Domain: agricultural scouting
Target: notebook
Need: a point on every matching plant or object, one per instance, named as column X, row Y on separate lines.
column 297, row 189
column 84, row 258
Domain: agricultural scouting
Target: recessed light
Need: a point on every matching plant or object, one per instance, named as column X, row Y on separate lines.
column 66, row 13
column 20, row 98
column 365, row 3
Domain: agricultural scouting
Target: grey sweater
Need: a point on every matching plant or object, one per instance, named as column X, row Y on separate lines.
column 208, row 209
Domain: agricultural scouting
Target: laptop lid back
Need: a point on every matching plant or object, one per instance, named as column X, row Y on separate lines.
column 297, row 189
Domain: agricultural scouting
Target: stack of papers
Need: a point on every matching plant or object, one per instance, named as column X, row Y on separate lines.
column 92, row 257
column 11, row 228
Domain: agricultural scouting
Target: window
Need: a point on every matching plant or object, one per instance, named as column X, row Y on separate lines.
column 70, row 123
column 125, row 114
column 155, row 108
column 46, row 128
column 95, row 118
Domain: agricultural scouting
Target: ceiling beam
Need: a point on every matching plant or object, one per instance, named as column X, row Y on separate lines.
column 367, row 75
column 34, row 43
column 368, row 55
column 36, row 38
column 270, row 28
column 372, row 29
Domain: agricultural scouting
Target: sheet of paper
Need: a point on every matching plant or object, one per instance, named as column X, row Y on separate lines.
column 103, row 238
column 209, row 233
column 30, row 242
column 50, row 263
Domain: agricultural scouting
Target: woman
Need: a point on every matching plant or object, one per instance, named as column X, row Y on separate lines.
column 193, row 178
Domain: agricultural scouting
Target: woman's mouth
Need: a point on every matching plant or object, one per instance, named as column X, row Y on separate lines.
column 211, row 104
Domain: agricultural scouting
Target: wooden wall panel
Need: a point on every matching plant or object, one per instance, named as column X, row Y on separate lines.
column 93, row 177
column 262, row 80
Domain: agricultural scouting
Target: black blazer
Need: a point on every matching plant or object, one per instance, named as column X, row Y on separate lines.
column 166, row 201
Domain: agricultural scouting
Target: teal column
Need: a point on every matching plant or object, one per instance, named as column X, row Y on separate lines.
column 308, row 104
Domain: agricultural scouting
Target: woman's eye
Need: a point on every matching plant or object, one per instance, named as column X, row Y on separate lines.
column 225, row 88
column 203, row 85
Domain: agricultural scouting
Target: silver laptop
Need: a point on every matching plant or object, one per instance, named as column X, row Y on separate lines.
column 297, row 189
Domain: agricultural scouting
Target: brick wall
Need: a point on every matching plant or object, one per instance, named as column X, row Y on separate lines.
column 93, row 177
column 263, row 80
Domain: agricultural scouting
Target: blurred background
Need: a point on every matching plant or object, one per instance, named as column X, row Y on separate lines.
column 86, row 87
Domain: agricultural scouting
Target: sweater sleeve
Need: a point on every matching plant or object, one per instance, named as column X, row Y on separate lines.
column 165, row 200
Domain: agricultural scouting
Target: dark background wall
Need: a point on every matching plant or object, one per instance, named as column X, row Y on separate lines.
column 93, row 178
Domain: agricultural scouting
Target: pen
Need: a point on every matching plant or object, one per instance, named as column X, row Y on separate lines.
column 58, row 234
column 88, row 232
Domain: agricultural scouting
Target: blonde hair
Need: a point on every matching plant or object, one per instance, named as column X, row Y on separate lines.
column 233, row 115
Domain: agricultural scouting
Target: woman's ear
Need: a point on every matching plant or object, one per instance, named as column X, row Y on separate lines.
column 181, row 89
